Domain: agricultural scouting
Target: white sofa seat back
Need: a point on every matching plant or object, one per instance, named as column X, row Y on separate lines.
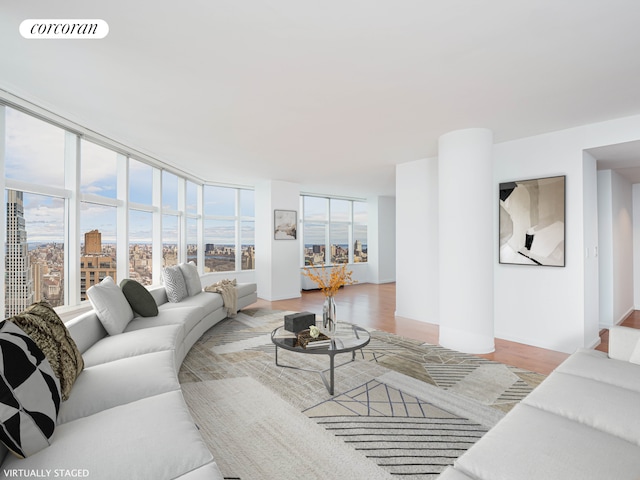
column 86, row 330
column 159, row 294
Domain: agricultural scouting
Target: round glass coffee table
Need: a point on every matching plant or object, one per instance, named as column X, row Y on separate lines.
column 348, row 338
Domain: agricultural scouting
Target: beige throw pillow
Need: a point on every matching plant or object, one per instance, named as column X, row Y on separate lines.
column 46, row 329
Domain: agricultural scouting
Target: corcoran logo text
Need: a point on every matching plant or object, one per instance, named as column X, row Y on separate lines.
column 64, row 29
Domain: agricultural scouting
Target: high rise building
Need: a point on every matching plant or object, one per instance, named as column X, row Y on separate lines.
column 19, row 291
column 94, row 265
column 93, row 243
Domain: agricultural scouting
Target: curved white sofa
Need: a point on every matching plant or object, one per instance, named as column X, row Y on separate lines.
column 126, row 417
column 582, row 422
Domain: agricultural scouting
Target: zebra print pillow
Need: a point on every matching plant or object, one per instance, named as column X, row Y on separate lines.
column 29, row 393
column 174, row 284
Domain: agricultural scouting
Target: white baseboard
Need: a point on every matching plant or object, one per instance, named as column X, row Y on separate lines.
column 284, row 297
column 386, row 280
column 595, row 343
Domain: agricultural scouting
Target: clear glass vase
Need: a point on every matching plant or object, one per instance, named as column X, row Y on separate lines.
column 329, row 318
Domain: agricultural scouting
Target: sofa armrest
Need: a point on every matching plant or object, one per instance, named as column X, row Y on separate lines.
column 622, row 342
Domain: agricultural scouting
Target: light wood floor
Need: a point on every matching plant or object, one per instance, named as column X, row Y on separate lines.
column 374, row 306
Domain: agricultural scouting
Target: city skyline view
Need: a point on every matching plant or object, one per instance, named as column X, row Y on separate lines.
column 218, row 219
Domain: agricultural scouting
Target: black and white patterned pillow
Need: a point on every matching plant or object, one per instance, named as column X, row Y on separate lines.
column 174, row 284
column 29, row 393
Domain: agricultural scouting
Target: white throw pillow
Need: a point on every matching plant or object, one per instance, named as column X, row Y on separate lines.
column 191, row 278
column 174, row 284
column 110, row 305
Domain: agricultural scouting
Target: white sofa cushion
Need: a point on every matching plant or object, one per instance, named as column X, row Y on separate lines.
column 153, row 438
column 191, row 278
column 207, row 472
column 130, row 344
column 174, row 284
column 635, row 355
column 531, row 444
column 119, row 382
column 622, row 342
column 590, row 402
column 210, row 302
column 187, row 317
column 595, row 365
column 451, row 473
column 110, row 305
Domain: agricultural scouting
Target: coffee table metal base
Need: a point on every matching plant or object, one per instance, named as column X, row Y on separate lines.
column 329, row 384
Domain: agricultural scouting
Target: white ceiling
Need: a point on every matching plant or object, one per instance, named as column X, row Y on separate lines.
column 329, row 94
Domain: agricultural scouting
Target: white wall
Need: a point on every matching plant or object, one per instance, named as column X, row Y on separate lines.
column 278, row 273
column 417, row 292
column 381, row 239
column 623, row 247
column 541, row 306
column 546, row 306
column 605, row 248
column 615, row 213
column 636, row 245
column 590, row 235
column 277, row 261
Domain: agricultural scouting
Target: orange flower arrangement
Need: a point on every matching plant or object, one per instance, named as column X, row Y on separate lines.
column 330, row 281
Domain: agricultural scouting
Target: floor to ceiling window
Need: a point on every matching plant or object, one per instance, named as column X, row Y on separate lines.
column 71, row 200
column 140, row 223
column 334, row 230
column 35, row 196
column 98, row 224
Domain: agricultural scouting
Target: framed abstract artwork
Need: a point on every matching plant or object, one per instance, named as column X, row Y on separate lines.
column 532, row 222
column 285, row 224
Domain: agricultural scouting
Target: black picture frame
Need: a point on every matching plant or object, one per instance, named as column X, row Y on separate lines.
column 285, row 224
column 532, row 222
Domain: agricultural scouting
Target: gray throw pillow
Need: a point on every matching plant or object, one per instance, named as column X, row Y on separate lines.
column 110, row 305
column 174, row 284
column 191, row 278
column 140, row 299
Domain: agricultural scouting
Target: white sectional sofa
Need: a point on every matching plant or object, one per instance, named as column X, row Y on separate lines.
column 126, row 417
column 582, row 422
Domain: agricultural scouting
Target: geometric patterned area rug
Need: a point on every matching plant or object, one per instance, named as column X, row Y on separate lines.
column 407, row 407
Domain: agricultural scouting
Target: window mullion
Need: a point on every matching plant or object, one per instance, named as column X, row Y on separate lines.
column 72, row 216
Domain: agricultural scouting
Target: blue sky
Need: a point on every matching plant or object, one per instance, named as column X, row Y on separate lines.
column 35, row 154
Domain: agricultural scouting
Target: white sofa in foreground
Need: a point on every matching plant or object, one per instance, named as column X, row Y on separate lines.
column 582, row 422
column 126, row 417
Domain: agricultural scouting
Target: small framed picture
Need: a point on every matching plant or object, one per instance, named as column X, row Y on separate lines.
column 285, row 224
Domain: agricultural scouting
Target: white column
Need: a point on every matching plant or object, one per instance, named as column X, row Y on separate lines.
column 466, row 200
column 277, row 261
column 381, row 239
